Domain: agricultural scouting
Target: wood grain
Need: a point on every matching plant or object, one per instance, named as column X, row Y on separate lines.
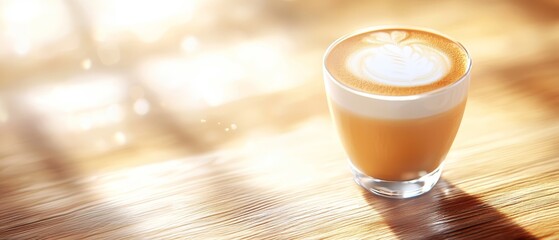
column 267, row 164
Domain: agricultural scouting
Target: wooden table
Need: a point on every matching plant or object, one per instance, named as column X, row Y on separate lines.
column 218, row 127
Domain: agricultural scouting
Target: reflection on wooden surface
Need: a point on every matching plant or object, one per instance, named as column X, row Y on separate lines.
column 208, row 120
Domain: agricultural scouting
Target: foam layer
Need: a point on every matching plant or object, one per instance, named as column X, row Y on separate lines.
column 392, row 97
column 386, row 107
column 393, row 61
column 396, row 62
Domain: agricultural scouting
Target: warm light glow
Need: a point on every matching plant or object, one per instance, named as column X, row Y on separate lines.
column 82, row 104
column 204, row 81
column 214, row 78
column 271, row 70
column 120, row 138
column 189, row 44
column 276, row 166
column 148, row 20
column 86, row 64
column 141, row 106
column 91, row 119
column 143, row 189
column 32, row 24
column 83, row 93
column 22, row 47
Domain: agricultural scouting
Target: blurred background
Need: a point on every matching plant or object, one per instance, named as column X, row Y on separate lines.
column 91, row 87
column 97, row 84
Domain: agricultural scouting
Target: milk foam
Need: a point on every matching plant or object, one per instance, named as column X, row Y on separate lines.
column 395, row 73
column 392, row 59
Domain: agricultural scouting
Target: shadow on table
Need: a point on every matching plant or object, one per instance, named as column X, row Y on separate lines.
column 446, row 212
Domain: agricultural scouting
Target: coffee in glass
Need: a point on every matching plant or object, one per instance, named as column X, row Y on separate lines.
column 397, row 96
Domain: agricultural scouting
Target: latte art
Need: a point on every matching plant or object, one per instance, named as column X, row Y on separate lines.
column 397, row 96
column 393, row 61
column 396, row 61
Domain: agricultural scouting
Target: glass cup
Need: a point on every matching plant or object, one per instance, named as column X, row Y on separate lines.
column 396, row 144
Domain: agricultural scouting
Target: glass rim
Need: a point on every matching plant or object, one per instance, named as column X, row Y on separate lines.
column 395, row 97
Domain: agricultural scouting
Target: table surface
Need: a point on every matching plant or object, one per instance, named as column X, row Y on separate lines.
column 216, row 127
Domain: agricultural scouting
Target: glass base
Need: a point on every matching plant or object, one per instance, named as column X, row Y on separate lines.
column 397, row 189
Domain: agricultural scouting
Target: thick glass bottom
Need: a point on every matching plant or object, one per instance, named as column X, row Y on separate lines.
column 397, row 189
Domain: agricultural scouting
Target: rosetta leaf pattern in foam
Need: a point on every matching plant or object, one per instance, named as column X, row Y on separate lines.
column 393, row 60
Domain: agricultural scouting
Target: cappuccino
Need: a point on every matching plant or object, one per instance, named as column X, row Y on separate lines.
column 397, row 97
column 397, row 61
